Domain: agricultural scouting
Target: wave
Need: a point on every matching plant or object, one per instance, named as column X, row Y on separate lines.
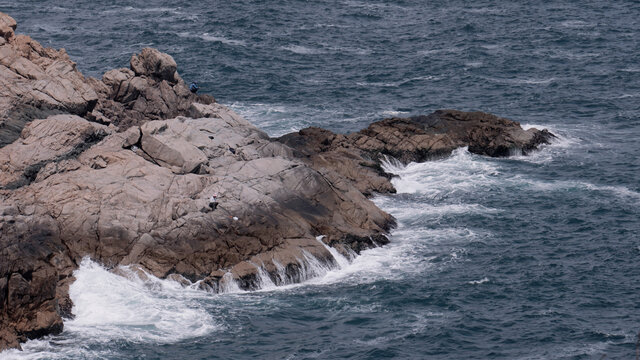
column 280, row 119
column 527, row 81
column 576, row 24
column 450, row 50
column 213, row 38
column 133, row 307
column 478, row 282
column 119, row 10
column 349, row 50
column 474, row 64
column 223, row 40
column 271, row 117
column 398, row 83
column 466, row 173
column 303, row 50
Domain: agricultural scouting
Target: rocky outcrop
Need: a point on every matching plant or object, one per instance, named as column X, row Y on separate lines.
column 36, row 82
column 121, row 170
column 141, row 197
column 357, row 156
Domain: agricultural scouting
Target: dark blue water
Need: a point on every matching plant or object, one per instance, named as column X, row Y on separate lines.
column 520, row 258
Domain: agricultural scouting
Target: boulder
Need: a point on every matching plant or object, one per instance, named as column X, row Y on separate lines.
column 151, row 62
column 7, row 26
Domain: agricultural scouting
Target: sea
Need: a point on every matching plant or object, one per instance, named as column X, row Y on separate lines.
column 525, row 257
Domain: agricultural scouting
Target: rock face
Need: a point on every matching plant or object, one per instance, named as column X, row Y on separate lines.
column 121, row 170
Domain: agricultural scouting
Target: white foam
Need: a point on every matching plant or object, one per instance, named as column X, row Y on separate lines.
column 575, row 24
column 114, row 307
column 302, row 50
column 213, row 38
column 398, row 83
column 110, row 307
column 394, row 113
column 478, row 282
column 561, row 144
column 264, row 281
column 474, row 64
column 462, row 171
column 342, row 261
column 228, row 285
column 223, row 40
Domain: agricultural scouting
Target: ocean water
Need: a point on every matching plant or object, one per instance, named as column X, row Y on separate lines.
column 517, row 258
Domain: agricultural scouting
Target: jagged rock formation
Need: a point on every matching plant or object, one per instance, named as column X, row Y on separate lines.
column 121, row 170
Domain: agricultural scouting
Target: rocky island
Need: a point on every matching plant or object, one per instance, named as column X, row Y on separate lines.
column 121, row 170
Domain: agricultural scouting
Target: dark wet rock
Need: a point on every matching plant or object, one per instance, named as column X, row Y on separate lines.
column 358, row 156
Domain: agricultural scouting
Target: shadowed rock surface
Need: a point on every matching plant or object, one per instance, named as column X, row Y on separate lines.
column 121, row 170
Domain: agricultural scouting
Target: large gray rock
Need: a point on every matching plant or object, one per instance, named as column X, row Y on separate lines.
column 57, row 139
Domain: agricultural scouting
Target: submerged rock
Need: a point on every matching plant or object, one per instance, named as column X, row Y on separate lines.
column 121, row 170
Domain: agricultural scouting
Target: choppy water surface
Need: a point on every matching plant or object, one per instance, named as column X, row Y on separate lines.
column 520, row 258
